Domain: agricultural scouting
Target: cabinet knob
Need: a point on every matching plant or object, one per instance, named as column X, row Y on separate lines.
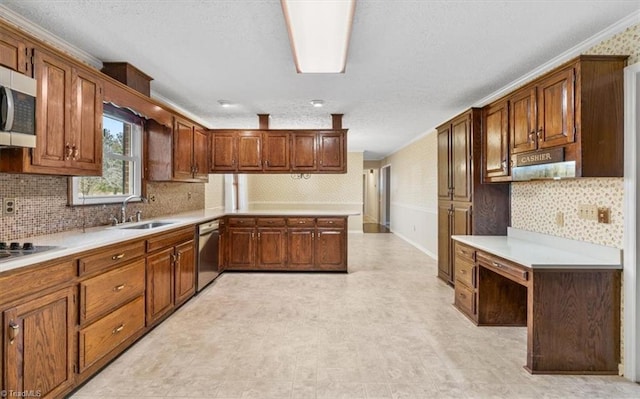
column 14, row 330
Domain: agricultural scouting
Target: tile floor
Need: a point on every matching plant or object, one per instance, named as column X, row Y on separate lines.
column 385, row 330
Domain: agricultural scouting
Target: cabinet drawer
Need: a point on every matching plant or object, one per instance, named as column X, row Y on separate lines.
column 465, row 300
column 510, row 270
column 242, row 222
column 170, row 239
column 103, row 336
column 301, row 222
column 20, row 282
column 279, row 222
column 465, row 252
column 107, row 291
column 111, row 256
column 465, row 272
column 330, row 222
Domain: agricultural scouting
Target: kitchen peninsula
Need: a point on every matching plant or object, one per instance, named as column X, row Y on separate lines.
column 566, row 292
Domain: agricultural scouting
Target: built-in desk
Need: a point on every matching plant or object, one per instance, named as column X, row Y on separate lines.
column 567, row 294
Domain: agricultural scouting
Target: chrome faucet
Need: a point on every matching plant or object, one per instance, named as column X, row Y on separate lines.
column 123, row 210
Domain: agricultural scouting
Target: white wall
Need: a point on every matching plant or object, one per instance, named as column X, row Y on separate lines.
column 414, row 198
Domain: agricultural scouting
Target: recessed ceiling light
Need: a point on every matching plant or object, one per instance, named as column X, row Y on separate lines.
column 317, row 103
column 224, row 103
column 319, row 33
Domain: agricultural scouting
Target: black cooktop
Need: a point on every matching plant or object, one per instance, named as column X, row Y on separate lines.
column 16, row 249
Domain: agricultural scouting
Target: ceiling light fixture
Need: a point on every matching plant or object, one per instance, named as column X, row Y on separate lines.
column 224, row 103
column 317, row 103
column 319, row 33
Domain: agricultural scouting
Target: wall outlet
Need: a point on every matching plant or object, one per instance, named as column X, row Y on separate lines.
column 588, row 212
column 8, row 206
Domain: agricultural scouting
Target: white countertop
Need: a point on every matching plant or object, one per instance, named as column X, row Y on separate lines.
column 75, row 241
column 541, row 251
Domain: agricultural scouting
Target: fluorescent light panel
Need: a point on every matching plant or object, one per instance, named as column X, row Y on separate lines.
column 319, row 32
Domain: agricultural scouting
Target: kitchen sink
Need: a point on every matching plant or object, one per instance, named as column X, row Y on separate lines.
column 147, row 225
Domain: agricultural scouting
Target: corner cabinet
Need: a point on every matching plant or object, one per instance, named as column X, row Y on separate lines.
column 465, row 205
column 186, row 142
column 69, row 128
column 278, row 151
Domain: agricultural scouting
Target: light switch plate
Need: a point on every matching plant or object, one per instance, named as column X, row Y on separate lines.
column 604, row 215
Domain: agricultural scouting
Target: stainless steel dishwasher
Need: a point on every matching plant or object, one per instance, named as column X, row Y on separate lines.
column 208, row 248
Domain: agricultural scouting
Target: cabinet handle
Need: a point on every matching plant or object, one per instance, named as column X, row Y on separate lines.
column 174, row 258
column 69, row 151
column 266, row 163
column 119, row 287
column 253, row 235
column 313, row 235
column 539, row 134
column 301, row 222
column 14, row 330
column 504, row 164
column 513, row 163
column 179, row 256
column 75, row 152
column 116, row 257
column 118, row 329
column 531, row 135
column 258, row 236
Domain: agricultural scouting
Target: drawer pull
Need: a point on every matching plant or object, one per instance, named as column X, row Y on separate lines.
column 118, row 329
column 330, row 221
column 119, row 287
column 301, row 222
column 116, row 257
column 462, row 295
column 462, row 271
column 14, row 330
column 498, row 265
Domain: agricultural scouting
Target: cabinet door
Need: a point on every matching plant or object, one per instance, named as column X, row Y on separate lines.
column 185, row 272
column 275, row 151
column 271, row 248
column 331, row 151
column 182, row 150
column 461, row 158
column 15, row 53
column 223, row 151
column 53, row 148
column 445, row 270
column 300, row 249
column 444, row 158
column 249, row 151
column 556, row 109
column 200, row 157
column 496, row 141
column 461, row 224
column 86, row 123
column 330, row 249
column 303, row 151
column 522, row 120
column 160, row 275
column 39, row 336
column 241, row 253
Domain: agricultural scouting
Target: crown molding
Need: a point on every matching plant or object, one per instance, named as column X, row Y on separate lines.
column 580, row 48
column 31, row 28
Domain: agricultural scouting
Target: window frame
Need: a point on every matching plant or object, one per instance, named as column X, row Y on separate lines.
column 137, row 131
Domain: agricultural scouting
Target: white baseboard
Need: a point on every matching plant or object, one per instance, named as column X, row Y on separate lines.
column 418, row 246
column 356, row 231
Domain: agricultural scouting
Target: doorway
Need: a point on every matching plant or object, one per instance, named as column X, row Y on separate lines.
column 385, row 196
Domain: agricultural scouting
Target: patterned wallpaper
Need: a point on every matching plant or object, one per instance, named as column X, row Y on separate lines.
column 324, row 192
column 414, row 174
column 534, row 204
column 214, row 192
column 41, row 205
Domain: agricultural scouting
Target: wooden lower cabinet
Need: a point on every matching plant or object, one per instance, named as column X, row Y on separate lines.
column 171, row 273
column 38, row 346
column 296, row 244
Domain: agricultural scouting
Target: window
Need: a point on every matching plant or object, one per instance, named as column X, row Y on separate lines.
column 121, row 162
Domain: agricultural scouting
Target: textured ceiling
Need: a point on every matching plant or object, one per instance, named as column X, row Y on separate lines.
column 411, row 65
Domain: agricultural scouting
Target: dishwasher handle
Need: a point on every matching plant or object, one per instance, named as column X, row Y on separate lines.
column 207, row 228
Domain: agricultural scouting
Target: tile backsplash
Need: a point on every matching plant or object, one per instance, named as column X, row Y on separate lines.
column 41, row 205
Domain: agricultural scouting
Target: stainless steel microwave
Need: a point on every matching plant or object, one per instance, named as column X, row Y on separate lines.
column 17, row 109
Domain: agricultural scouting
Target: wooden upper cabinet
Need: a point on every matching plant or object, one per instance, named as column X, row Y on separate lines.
column 303, row 151
column 222, row 151
column 16, row 53
column 556, row 109
column 331, row 151
column 444, row 156
column 495, row 143
column 200, row 155
column 522, row 120
column 86, row 121
column 159, row 143
column 182, row 150
column 275, row 151
column 249, row 146
column 461, row 158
